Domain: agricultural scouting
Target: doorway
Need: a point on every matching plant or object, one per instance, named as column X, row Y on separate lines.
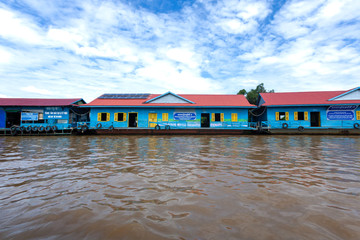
column 133, row 119
column 205, row 120
column 315, row 119
column 12, row 118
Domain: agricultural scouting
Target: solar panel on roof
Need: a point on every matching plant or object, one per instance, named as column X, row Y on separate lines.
column 125, row 96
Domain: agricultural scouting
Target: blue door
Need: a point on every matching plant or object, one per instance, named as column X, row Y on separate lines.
column 2, row 118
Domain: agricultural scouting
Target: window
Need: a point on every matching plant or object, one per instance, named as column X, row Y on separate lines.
column 41, row 118
column 282, row 116
column 120, row 117
column 299, row 116
column 234, row 117
column 103, row 117
column 165, row 117
column 217, row 117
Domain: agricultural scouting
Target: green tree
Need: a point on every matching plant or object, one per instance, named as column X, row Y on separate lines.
column 242, row 92
column 253, row 94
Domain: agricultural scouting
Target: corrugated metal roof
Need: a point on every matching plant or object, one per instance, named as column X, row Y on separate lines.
column 304, row 98
column 199, row 101
column 38, row 102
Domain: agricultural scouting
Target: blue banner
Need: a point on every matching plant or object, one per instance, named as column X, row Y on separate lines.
column 29, row 116
column 340, row 115
column 56, row 115
column 342, row 107
column 184, row 116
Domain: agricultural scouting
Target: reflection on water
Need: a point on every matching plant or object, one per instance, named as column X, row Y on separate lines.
column 180, row 187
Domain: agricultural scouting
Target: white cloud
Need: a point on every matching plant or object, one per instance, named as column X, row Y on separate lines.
column 86, row 48
column 307, row 48
column 298, row 9
column 184, row 56
column 335, row 12
column 5, row 56
column 43, row 7
column 236, row 26
column 332, row 8
column 238, row 17
column 32, row 89
column 19, row 28
column 292, row 29
column 67, row 38
column 166, row 74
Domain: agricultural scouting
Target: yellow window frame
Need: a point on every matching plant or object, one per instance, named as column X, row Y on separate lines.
column 277, row 116
column 287, row 116
column 107, row 117
column 165, row 117
column 221, row 117
column 234, row 117
column 116, row 117
column 152, row 118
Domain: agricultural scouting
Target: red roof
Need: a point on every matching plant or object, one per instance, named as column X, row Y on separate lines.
column 199, row 101
column 37, row 102
column 304, row 98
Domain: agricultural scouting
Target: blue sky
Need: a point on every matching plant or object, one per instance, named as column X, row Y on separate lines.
column 70, row 48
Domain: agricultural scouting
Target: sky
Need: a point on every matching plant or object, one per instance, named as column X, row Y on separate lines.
column 84, row 48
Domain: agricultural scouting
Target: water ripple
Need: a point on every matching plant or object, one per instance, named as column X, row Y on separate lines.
column 180, row 187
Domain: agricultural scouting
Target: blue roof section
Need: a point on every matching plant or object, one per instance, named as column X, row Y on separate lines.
column 352, row 90
column 167, row 93
column 260, row 100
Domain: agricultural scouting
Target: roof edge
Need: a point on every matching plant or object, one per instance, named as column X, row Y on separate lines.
column 167, row 106
column 167, row 93
column 345, row 93
column 307, row 105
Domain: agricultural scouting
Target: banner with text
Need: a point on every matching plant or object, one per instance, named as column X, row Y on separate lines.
column 341, row 112
column 56, row 114
column 29, row 116
column 184, row 116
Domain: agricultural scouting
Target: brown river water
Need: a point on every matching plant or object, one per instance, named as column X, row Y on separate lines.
column 180, row 187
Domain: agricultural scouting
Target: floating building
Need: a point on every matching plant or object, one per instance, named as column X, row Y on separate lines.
column 321, row 112
column 170, row 113
column 310, row 112
column 36, row 115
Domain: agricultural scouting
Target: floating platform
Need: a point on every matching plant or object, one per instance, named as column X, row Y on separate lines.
column 17, row 132
column 313, row 131
column 151, row 131
column 188, row 131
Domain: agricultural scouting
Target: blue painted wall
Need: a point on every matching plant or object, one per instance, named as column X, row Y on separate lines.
column 270, row 117
column 143, row 117
column 63, row 123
